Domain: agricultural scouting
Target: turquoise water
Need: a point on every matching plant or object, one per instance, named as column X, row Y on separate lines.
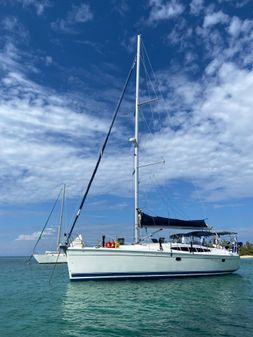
column 206, row 306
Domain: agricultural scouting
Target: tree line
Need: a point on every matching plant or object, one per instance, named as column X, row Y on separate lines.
column 246, row 249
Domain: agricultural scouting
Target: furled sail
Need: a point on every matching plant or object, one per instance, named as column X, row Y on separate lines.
column 146, row 220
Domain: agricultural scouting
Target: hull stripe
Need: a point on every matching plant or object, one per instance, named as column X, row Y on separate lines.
column 147, row 274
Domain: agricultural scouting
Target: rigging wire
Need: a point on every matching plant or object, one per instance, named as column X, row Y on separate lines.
column 161, row 190
column 100, row 155
column 149, row 80
column 144, row 64
column 155, row 79
column 164, row 195
column 46, row 223
column 52, row 273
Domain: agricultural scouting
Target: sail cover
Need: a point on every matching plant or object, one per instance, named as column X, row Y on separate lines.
column 157, row 221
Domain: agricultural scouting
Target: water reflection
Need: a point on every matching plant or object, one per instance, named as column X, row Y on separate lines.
column 183, row 307
column 208, row 306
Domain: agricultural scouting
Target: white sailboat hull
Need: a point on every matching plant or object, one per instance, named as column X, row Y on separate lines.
column 103, row 263
column 50, row 257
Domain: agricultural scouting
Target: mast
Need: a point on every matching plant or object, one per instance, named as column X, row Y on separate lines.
column 61, row 217
column 136, row 144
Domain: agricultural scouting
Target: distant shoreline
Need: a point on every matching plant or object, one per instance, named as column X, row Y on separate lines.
column 246, row 256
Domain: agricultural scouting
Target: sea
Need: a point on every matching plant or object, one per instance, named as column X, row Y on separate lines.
column 39, row 300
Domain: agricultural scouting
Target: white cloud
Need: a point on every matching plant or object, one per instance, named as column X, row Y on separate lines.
column 48, row 60
column 121, row 6
column 235, row 26
column 180, row 34
column 233, row 44
column 215, row 18
column 242, row 3
column 214, row 66
column 10, row 23
column 44, row 142
column 82, row 14
column 77, row 15
column 129, row 44
column 212, row 136
column 39, row 5
column 240, row 42
column 196, row 6
column 238, row 27
column 15, row 29
column 164, row 10
column 35, row 235
column 207, row 134
column 210, row 124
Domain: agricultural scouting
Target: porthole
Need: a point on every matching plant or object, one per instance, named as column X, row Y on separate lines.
column 223, row 260
column 178, row 258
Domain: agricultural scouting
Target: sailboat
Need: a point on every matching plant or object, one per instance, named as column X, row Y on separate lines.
column 199, row 251
column 53, row 256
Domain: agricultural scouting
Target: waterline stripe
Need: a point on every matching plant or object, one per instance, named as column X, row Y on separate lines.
column 149, row 274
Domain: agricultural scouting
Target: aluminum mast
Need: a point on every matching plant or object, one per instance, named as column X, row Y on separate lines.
column 136, row 145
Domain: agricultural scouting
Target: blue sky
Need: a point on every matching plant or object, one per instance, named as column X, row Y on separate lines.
column 62, row 68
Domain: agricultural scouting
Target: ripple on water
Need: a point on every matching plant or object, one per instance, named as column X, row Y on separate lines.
column 207, row 306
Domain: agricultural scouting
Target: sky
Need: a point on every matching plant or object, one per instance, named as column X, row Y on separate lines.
column 63, row 65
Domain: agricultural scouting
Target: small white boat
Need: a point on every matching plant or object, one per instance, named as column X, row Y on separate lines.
column 182, row 255
column 53, row 256
column 50, row 257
